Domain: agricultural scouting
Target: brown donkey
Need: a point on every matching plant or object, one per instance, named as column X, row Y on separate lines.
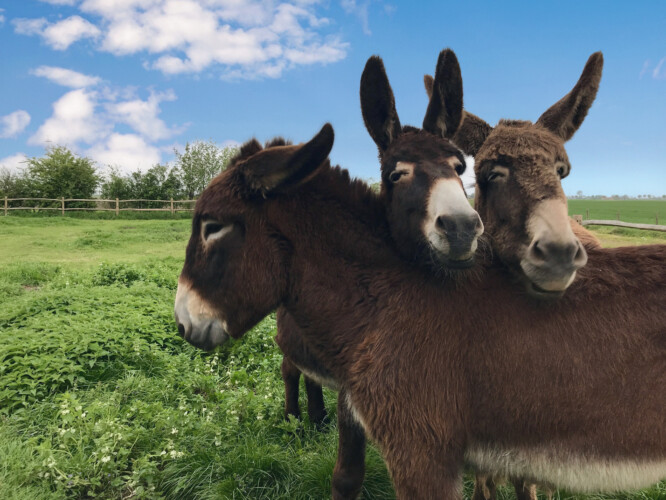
column 544, row 184
column 280, row 227
column 430, row 220
column 518, row 164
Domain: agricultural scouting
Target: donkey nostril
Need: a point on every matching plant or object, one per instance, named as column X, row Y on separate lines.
column 580, row 259
column 537, row 252
column 445, row 224
column 181, row 330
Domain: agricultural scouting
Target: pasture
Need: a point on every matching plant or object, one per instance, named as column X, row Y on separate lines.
column 640, row 211
column 100, row 398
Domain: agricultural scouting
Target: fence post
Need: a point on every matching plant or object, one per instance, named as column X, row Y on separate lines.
column 171, row 206
column 62, row 205
column 117, row 207
column 587, row 213
column 5, row 206
column 656, row 218
column 618, row 216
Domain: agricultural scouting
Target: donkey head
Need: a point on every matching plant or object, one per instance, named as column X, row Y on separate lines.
column 428, row 212
column 235, row 269
column 519, row 166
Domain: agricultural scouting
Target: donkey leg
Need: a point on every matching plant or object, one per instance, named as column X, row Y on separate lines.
column 316, row 408
column 419, row 476
column 484, row 487
column 290, row 375
column 350, row 465
column 524, row 491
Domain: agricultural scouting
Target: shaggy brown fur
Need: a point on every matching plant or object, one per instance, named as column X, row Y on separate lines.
column 405, row 198
column 382, row 328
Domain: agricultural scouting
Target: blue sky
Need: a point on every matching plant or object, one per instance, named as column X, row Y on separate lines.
column 126, row 81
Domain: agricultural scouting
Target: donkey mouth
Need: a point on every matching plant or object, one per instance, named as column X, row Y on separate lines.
column 536, row 291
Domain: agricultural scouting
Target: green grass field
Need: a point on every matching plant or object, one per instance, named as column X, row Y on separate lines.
column 100, row 398
column 641, row 211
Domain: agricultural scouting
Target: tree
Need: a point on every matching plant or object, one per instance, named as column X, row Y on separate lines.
column 199, row 163
column 60, row 173
column 117, row 186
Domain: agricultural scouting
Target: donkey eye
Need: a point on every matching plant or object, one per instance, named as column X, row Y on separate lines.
column 493, row 176
column 562, row 169
column 215, row 230
column 395, row 175
column 460, row 168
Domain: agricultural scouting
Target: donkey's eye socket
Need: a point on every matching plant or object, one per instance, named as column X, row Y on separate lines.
column 560, row 172
column 214, row 230
column 492, row 176
column 498, row 173
column 396, row 175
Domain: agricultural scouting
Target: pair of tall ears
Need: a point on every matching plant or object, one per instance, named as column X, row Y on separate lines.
column 563, row 118
column 445, row 108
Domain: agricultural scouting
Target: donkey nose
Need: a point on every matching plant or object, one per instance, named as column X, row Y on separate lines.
column 450, row 225
column 566, row 256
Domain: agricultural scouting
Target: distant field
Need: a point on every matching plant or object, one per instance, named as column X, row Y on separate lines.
column 641, row 211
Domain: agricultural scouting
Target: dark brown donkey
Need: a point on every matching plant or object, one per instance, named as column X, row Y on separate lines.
column 430, row 220
column 434, row 372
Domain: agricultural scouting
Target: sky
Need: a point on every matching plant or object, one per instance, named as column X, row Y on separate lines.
column 124, row 82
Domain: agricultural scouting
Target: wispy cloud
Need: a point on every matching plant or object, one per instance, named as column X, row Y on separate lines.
column 659, row 72
column 14, row 123
column 60, row 35
column 2, row 16
column 360, row 10
column 244, row 39
column 66, row 77
column 645, row 69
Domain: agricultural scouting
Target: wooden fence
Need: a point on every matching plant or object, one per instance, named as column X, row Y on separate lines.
column 101, row 205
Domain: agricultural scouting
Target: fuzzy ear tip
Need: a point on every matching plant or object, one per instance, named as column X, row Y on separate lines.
column 327, row 132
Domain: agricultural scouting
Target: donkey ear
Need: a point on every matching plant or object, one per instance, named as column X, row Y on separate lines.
column 429, row 83
column 566, row 115
column 446, row 101
column 471, row 134
column 378, row 104
column 283, row 168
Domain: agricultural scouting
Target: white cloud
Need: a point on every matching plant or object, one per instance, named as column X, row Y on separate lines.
column 246, row 38
column 14, row 163
column 59, row 35
column 73, row 120
column 128, row 152
column 29, row 26
column 360, row 10
column 66, row 77
column 658, row 73
column 646, row 66
column 142, row 115
column 2, row 17
column 14, row 123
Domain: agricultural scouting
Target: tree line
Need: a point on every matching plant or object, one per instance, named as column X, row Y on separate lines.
column 60, row 173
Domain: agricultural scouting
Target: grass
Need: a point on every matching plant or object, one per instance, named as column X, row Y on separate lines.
column 99, row 398
column 641, row 211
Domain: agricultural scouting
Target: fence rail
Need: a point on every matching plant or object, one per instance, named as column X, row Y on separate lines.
column 651, row 227
column 100, row 205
